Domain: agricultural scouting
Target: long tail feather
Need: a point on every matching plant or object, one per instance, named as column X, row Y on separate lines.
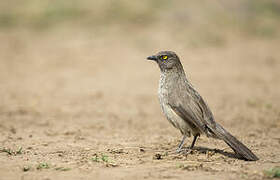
column 239, row 148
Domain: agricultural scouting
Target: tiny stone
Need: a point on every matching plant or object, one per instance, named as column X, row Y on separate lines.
column 141, row 150
column 26, row 168
column 157, row 156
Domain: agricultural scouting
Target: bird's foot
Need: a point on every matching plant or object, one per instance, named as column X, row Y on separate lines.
column 188, row 151
column 185, row 151
column 179, row 150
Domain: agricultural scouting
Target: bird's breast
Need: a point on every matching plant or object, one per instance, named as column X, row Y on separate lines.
column 164, row 94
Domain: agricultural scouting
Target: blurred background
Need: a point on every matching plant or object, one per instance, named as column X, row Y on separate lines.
column 52, row 49
column 73, row 68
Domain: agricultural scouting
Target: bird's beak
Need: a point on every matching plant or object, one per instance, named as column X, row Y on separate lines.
column 154, row 58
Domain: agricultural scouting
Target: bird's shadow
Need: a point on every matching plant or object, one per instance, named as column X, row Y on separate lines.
column 205, row 150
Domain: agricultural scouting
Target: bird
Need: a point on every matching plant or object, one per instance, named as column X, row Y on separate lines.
column 186, row 110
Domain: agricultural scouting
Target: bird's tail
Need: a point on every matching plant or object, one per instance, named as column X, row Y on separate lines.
column 239, row 148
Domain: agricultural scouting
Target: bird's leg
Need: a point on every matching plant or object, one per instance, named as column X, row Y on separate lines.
column 181, row 144
column 194, row 140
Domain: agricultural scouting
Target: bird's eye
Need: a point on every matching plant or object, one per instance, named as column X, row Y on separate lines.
column 164, row 57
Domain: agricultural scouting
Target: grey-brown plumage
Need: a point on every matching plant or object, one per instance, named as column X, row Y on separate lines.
column 186, row 110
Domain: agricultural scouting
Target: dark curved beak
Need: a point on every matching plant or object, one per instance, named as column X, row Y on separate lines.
column 154, row 58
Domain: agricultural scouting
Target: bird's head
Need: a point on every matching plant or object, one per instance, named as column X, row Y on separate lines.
column 166, row 60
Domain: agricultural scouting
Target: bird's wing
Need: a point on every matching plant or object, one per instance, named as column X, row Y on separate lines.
column 207, row 114
column 191, row 119
column 192, row 108
column 188, row 110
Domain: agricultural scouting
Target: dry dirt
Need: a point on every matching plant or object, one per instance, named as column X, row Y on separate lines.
column 84, row 106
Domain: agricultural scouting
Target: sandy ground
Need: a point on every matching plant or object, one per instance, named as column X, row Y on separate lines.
column 78, row 106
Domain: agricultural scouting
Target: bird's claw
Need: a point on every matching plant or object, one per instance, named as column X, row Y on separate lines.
column 184, row 151
column 179, row 150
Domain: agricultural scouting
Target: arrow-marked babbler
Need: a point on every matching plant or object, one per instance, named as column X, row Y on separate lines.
column 186, row 110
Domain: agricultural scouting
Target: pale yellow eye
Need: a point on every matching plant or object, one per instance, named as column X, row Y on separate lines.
column 164, row 57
